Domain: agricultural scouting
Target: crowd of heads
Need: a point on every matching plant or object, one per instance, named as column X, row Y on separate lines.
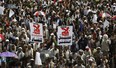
column 94, row 32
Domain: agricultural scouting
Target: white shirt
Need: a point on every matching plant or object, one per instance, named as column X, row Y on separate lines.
column 20, row 55
column 30, row 52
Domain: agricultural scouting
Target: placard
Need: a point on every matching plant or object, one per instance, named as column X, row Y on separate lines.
column 64, row 35
column 36, row 32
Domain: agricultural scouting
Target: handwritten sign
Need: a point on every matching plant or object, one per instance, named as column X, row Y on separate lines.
column 64, row 35
column 36, row 32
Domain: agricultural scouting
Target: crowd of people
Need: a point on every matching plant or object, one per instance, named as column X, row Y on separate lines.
column 94, row 33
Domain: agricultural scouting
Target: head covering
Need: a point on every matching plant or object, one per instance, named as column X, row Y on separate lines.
column 105, row 36
column 98, row 48
column 90, row 59
column 7, row 40
column 87, row 48
column 20, row 48
column 47, row 55
column 80, row 50
column 17, row 38
column 52, row 34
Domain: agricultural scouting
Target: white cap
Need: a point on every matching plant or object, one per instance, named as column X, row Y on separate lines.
column 98, row 48
column 100, row 21
column 85, row 36
column 23, row 30
column 90, row 59
column 80, row 50
column 92, row 28
column 22, row 10
column 67, row 10
column 52, row 33
column 14, row 20
column 53, row 12
column 7, row 40
column 20, row 48
column 31, row 59
column 105, row 36
column 47, row 55
column 85, row 21
column 90, row 36
column 114, row 3
column 17, row 38
column 87, row 47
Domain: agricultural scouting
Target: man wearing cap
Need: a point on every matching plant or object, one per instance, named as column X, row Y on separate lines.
column 98, row 55
column 7, row 44
column 82, row 55
column 20, row 53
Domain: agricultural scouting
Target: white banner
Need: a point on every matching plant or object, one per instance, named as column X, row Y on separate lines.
column 64, row 35
column 36, row 32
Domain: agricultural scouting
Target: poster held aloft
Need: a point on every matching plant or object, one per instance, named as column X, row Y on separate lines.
column 36, row 32
column 64, row 35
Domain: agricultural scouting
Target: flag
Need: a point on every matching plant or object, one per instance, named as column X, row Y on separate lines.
column 1, row 10
column 11, row 13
